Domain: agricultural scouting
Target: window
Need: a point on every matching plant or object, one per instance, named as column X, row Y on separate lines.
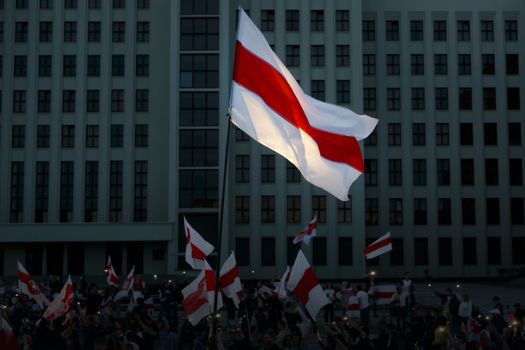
column 115, row 191
column 371, row 172
column 68, row 101
column 199, row 71
column 319, row 251
column 492, row 211
column 242, row 247
column 318, row 89
column 208, row 7
column 293, row 209
column 397, row 255
column 198, row 34
column 292, row 174
column 417, row 64
column 16, row 212
column 342, row 20
column 93, row 101
column 142, row 32
column 490, row 132
column 292, row 20
column 342, row 55
column 467, row 172
column 513, row 98
column 316, row 20
column 463, row 30
column 45, row 4
column 46, row 32
column 441, row 98
column 317, row 55
column 468, row 206
column 393, row 99
column 465, row 98
column 117, row 100
column 141, row 135
column 242, row 209
column 418, row 99
column 198, row 188
column 19, row 101
column 70, row 32
column 444, row 211
column 487, row 31
column 42, row 136
column 394, row 134
column 93, row 66
column 371, row 140
column 117, row 135
column 66, row 191
column 396, row 211
column 420, row 251
column 142, row 66
column 491, row 172
column 69, row 68
column 119, row 4
column 392, row 64
column 140, row 205
column 117, row 65
column 21, row 4
column 445, row 250
column 392, row 30
column 464, row 67
column 44, row 65
column 267, row 168
column 267, row 20
column 418, row 134
column 70, row 4
column 198, row 147
column 395, row 172
column 514, row 134
column 420, row 172
column 201, row 109
column 442, row 134
column 68, row 136
column 466, row 134
column 440, row 31
column 494, row 250
column 369, row 64
column 487, row 64
column 371, row 211
column 44, row 101
column 512, row 64
column 516, row 171
column 443, row 172
column 18, row 136
column 20, row 69
column 20, row 32
column 343, row 91
column 91, row 191
column 420, row 211
column 440, row 64
column 345, row 256
column 141, row 100
column 91, row 136
column 489, row 99
column 267, row 209
column 369, row 30
column 369, row 100
column 516, row 211
column 93, row 32
column 319, row 208
column 416, row 30
column 511, row 30
column 119, row 31
column 291, row 250
column 469, row 251
column 293, row 56
column 344, row 211
column 94, row 4
column 242, row 168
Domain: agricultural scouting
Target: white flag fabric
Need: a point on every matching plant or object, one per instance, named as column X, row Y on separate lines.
column 230, row 279
column 380, row 246
column 197, row 248
column 126, row 285
column 7, row 337
column 310, row 231
column 383, row 294
column 267, row 103
column 111, row 275
column 280, row 290
column 27, row 286
column 304, row 285
column 62, row 302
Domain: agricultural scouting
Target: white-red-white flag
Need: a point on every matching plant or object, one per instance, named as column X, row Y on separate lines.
column 111, row 274
column 309, row 232
column 379, row 246
column 7, row 337
column 27, row 286
column 280, row 290
column 267, row 103
column 230, row 279
column 62, row 302
column 304, row 285
column 383, row 294
column 126, row 285
column 197, row 248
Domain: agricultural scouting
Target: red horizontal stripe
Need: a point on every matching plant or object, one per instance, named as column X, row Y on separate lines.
column 229, row 277
column 305, row 285
column 383, row 295
column 378, row 245
column 195, row 300
column 264, row 80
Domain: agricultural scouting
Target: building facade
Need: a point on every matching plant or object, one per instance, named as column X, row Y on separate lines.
column 114, row 124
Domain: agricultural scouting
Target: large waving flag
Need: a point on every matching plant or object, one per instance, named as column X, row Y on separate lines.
column 380, row 246
column 126, row 286
column 197, row 248
column 27, row 286
column 309, row 232
column 230, row 279
column 268, row 104
column 62, row 302
column 111, row 274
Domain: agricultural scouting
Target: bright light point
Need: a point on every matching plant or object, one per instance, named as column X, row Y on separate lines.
column 457, row 285
column 183, row 272
column 106, row 270
column 169, row 281
column 155, row 276
column 78, row 303
column 373, row 273
column 253, row 272
column 430, row 284
column 218, row 315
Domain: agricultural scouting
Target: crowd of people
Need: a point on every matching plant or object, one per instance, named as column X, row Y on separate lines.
column 152, row 318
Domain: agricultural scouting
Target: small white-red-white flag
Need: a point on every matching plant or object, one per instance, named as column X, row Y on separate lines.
column 197, row 248
column 62, row 302
column 126, row 285
column 27, row 286
column 309, row 232
column 280, row 290
column 267, row 103
column 383, row 294
column 230, row 279
column 380, row 246
column 111, row 275
column 304, row 285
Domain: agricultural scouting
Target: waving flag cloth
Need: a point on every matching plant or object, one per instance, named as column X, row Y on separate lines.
column 280, row 290
column 27, row 286
column 309, row 232
column 126, row 286
column 111, row 275
column 230, row 279
column 197, row 249
column 304, row 285
column 380, row 246
column 7, row 337
column 62, row 302
column 383, row 294
column 268, row 104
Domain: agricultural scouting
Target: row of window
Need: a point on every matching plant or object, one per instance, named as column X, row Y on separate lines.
column 69, row 101
column 342, row 20
column 43, row 134
column 73, row 4
column 91, row 191
column 345, row 253
column 317, row 55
